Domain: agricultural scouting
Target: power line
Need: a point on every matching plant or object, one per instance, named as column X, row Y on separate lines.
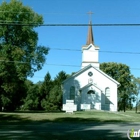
column 72, row 14
column 65, row 65
column 78, row 50
column 8, row 61
column 63, row 49
column 19, row 12
column 121, row 52
column 47, row 24
column 68, row 49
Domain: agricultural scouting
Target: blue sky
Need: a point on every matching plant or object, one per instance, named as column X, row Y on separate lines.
column 116, row 39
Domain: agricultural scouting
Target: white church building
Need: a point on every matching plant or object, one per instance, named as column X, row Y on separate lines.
column 90, row 87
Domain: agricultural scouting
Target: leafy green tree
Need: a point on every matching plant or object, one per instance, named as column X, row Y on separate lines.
column 31, row 102
column 54, row 99
column 121, row 73
column 45, row 90
column 12, row 94
column 20, row 56
column 58, row 82
column 60, row 78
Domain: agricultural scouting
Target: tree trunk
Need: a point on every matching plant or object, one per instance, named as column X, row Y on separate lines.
column 124, row 108
column 136, row 107
column 124, row 104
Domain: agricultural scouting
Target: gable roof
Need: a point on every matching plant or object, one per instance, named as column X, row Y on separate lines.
column 86, row 68
column 89, row 84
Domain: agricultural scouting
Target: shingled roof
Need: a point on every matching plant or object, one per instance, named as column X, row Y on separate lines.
column 90, row 39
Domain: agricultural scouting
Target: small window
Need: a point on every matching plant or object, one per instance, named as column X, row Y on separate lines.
column 107, row 95
column 72, row 93
column 90, row 73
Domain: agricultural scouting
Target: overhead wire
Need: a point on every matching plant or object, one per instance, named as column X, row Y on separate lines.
column 44, row 13
column 76, row 14
column 50, row 24
column 16, row 23
column 65, row 65
column 68, row 49
column 31, row 24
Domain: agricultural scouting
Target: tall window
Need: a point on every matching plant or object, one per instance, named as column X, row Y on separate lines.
column 107, row 95
column 72, row 93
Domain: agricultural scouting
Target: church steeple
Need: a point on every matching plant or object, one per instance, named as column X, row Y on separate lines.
column 90, row 39
column 90, row 52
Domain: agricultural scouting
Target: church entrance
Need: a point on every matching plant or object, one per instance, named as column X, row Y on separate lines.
column 91, row 92
column 91, row 98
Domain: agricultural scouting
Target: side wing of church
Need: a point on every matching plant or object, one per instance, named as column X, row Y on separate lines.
column 91, row 86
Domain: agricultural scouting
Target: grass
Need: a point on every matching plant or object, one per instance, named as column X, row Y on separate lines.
column 62, row 126
column 83, row 116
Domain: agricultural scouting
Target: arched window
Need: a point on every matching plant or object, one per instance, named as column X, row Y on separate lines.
column 72, row 93
column 107, row 95
column 91, row 92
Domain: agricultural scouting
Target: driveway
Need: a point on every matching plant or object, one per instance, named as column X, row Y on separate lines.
column 66, row 131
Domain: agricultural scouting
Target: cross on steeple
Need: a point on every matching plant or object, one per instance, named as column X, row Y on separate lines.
column 90, row 15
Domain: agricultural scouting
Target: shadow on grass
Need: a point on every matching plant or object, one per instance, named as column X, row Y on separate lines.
column 14, row 126
column 14, row 117
column 32, row 111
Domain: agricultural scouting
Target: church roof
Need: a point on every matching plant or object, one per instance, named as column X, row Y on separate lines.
column 86, row 68
column 90, row 84
column 90, row 39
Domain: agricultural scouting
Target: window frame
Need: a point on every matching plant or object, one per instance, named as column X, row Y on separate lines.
column 72, row 93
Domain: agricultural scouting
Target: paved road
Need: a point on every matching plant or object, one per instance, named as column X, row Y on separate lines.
column 67, row 131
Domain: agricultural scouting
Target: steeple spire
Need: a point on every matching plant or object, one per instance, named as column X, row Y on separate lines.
column 90, row 39
column 90, row 52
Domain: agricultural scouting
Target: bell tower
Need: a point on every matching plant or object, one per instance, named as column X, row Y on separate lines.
column 90, row 52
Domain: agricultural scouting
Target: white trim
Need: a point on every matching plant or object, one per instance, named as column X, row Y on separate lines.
column 87, row 67
column 86, row 47
column 90, row 85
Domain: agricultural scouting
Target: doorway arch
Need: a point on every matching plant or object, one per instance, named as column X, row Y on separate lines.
column 91, row 92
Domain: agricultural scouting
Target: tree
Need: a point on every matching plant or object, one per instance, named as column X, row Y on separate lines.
column 121, row 73
column 54, row 99
column 31, row 102
column 60, row 78
column 58, row 81
column 45, row 89
column 20, row 56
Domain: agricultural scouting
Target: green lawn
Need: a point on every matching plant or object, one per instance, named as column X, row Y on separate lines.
column 62, row 126
column 82, row 116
